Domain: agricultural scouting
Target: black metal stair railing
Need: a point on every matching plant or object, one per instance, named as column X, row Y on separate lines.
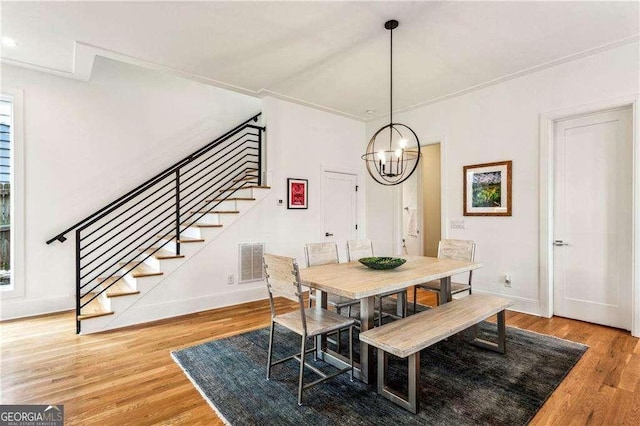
column 122, row 235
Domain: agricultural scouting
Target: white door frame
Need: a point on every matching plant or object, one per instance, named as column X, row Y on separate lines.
column 547, row 141
column 397, row 197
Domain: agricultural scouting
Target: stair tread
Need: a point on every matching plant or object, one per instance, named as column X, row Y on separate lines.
column 217, row 212
column 183, row 239
column 140, row 270
column 120, row 288
column 206, row 225
column 94, row 309
column 107, row 282
column 116, row 286
column 246, row 178
column 162, row 253
column 88, row 296
column 246, row 187
column 211, row 200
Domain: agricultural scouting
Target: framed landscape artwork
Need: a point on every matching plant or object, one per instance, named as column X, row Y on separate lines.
column 487, row 189
column 296, row 193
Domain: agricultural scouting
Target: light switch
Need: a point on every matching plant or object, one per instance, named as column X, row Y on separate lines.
column 457, row 224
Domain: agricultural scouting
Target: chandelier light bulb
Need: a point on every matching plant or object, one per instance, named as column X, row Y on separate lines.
column 398, row 153
column 403, row 143
column 381, row 156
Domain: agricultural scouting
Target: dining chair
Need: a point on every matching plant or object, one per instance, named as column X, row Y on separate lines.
column 450, row 249
column 317, row 254
column 357, row 249
column 283, row 279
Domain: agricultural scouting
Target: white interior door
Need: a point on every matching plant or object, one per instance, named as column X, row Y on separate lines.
column 339, row 205
column 593, row 218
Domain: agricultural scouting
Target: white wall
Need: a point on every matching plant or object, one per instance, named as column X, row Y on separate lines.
column 498, row 123
column 301, row 141
column 89, row 143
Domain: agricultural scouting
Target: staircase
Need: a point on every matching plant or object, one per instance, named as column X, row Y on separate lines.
column 130, row 246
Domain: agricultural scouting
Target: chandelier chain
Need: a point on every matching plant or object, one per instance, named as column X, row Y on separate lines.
column 390, row 83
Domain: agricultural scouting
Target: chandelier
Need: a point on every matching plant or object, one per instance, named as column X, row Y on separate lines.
column 393, row 152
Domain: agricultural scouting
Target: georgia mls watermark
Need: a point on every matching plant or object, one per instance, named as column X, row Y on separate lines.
column 31, row 415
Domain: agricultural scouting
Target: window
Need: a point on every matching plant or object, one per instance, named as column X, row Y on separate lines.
column 11, row 194
column 6, row 122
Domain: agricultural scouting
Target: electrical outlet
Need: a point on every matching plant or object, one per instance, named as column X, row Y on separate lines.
column 280, row 201
column 507, row 280
column 457, row 224
column 230, row 279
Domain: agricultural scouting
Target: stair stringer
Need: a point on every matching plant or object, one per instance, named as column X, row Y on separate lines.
column 126, row 308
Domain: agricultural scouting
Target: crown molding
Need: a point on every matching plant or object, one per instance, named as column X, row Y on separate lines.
column 85, row 54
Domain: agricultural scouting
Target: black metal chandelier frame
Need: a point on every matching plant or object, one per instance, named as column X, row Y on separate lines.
column 392, row 166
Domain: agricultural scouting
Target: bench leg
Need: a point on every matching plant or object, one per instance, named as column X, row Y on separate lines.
column 412, row 400
column 414, row 382
column 500, row 345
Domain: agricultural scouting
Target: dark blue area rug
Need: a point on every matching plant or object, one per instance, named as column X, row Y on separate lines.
column 461, row 384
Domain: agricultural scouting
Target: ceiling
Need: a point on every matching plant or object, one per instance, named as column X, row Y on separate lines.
column 333, row 55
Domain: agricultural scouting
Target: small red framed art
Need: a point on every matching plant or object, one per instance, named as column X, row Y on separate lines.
column 297, row 195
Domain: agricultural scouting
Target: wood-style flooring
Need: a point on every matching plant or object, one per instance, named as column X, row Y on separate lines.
column 128, row 377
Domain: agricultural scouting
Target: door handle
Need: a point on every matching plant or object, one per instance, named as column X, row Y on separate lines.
column 327, row 234
column 560, row 243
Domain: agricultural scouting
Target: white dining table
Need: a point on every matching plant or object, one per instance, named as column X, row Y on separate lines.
column 356, row 281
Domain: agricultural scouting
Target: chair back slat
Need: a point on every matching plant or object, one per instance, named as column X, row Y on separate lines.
column 457, row 250
column 282, row 277
column 321, row 253
column 357, row 249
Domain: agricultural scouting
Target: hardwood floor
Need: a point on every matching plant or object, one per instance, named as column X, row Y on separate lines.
column 127, row 376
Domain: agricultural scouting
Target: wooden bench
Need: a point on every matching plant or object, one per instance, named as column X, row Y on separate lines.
column 407, row 337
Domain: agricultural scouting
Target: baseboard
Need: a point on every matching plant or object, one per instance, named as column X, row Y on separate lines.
column 14, row 308
column 175, row 308
column 520, row 304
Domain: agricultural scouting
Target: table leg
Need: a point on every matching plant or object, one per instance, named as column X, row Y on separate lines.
column 445, row 290
column 321, row 339
column 367, row 366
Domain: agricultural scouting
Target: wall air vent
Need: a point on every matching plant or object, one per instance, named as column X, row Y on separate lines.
column 251, row 262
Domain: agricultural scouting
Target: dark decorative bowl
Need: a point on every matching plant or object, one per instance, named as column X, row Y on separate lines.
column 382, row 262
